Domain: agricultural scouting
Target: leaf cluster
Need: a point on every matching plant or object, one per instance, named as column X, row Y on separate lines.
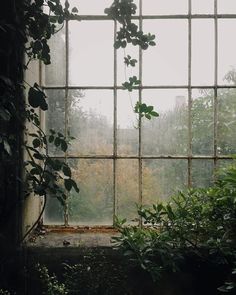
column 133, row 82
column 145, row 111
column 198, row 224
column 122, row 11
column 50, row 283
column 47, row 175
column 41, row 19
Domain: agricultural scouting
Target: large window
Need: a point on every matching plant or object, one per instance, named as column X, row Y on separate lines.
column 120, row 160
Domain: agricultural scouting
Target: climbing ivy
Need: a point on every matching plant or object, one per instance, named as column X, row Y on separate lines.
column 122, row 11
column 36, row 22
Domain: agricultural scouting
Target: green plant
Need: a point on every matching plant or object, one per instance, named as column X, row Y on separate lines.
column 122, row 11
column 198, row 224
column 51, row 285
column 36, row 22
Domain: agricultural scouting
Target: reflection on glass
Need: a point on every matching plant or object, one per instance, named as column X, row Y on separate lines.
column 226, row 6
column 55, row 118
column 55, row 73
column 90, row 7
column 91, row 53
column 202, row 173
column 226, row 121
column 203, row 122
column 227, row 49
column 168, row 133
column 94, row 203
column 127, row 123
column 166, row 63
column 54, row 212
column 91, row 122
column 202, row 6
column 162, row 179
column 127, row 189
column 151, row 7
column 202, row 52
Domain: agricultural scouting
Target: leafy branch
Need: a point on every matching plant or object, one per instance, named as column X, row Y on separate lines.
column 122, row 11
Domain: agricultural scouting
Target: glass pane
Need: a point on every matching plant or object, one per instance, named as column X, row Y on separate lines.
column 91, row 122
column 226, row 121
column 90, row 7
column 54, row 212
column 162, row 179
column 55, row 73
column 227, row 6
column 55, row 117
column 202, row 173
column 166, row 63
column 203, row 121
column 152, row 7
column 127, row 123
column 227, row 49
column 94, row 203
column 202, row 52
column 202, row 6
column 127, row 189
column 168, row 133
column 91, row 53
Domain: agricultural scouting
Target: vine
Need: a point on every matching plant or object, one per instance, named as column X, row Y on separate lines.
column 35, row 23
column 129, row 33
column 43, row 175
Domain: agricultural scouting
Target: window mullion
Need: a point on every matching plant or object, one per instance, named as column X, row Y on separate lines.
column 140, row 186
column 215, row 84
column 115, row 201
column 189, row 94
column 66, row 209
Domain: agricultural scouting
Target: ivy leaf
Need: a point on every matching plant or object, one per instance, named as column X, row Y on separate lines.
column 57, row 142
column 66, row 170
column 68, row 184
column 51, row 138
column 36, row 142
column 36, row 98
column 74, row 10
column 64, row 145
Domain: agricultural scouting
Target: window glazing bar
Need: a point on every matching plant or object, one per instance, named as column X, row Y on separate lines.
column 189, row 93
column 215, row 82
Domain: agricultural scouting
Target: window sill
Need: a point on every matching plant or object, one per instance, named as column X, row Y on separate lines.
column 72, row 237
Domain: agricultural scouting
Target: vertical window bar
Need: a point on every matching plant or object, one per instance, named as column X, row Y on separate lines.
column 66, row 213
column 189, row 93
column 215, row 83
column 115, row 202
column 140, row 186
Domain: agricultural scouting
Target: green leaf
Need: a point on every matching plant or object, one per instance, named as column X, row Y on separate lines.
column 74, row 10
column 36, row 142
column 51, row 138
column 75, row 186
column 57, row 142
column 38, row 156
column 64, row 145
column 154, row 114
column 66, row 170
column 36, row 98
column 68, row 184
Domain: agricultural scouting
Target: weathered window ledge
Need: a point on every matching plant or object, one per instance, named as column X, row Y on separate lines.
column 72, row 237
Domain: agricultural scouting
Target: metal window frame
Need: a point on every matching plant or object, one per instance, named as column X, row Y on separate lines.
column 115, row 87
